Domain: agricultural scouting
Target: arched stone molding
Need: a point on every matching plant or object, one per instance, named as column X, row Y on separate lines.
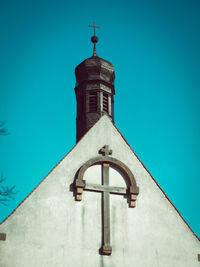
column 132, row 190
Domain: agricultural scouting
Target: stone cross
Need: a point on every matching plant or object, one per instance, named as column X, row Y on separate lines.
column 106, row 190
column 105, row 151
column 131, row 191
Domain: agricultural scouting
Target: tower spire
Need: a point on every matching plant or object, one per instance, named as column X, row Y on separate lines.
column 94, row 39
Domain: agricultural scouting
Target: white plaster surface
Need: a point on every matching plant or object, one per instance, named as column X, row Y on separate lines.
column 51, row 229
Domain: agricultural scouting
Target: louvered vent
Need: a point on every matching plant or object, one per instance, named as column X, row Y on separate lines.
column 93, row 102
column 105, row 102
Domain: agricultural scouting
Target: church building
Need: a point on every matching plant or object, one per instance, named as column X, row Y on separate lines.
column 99, row 206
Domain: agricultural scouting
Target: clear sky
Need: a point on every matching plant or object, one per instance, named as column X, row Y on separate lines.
column 154, row 47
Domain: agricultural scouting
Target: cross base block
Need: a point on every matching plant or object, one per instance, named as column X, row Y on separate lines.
column 106, row 250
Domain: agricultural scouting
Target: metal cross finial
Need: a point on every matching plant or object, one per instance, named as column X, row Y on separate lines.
column 94, row 26
column 94, row 39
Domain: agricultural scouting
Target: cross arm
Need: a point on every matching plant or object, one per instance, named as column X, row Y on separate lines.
column 105, row 188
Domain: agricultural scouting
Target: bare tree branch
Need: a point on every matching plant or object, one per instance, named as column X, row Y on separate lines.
column 6, row 193
column 3, row 130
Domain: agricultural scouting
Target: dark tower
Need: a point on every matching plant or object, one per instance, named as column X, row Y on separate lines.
column 94, row 91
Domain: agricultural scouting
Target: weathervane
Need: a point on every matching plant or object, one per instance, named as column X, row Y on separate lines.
column 94, row 39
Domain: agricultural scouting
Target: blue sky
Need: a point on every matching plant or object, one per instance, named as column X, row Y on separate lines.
column 154, row 47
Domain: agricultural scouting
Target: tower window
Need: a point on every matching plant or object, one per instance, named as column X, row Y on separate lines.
column 93, row 102
column 105, row 102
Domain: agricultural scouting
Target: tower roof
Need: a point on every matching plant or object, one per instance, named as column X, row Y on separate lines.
column 95, row 68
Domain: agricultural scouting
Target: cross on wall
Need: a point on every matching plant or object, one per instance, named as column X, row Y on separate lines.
column 105, row 151
column 105, row 189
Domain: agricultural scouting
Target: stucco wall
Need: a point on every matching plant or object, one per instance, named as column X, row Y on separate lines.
column 51, row 229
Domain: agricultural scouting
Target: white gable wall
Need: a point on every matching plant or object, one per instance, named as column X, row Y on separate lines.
column 51, row 229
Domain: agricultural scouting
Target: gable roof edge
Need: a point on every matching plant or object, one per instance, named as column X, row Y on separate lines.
column 157, row 183
column 47, row 175
column 133, row 153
